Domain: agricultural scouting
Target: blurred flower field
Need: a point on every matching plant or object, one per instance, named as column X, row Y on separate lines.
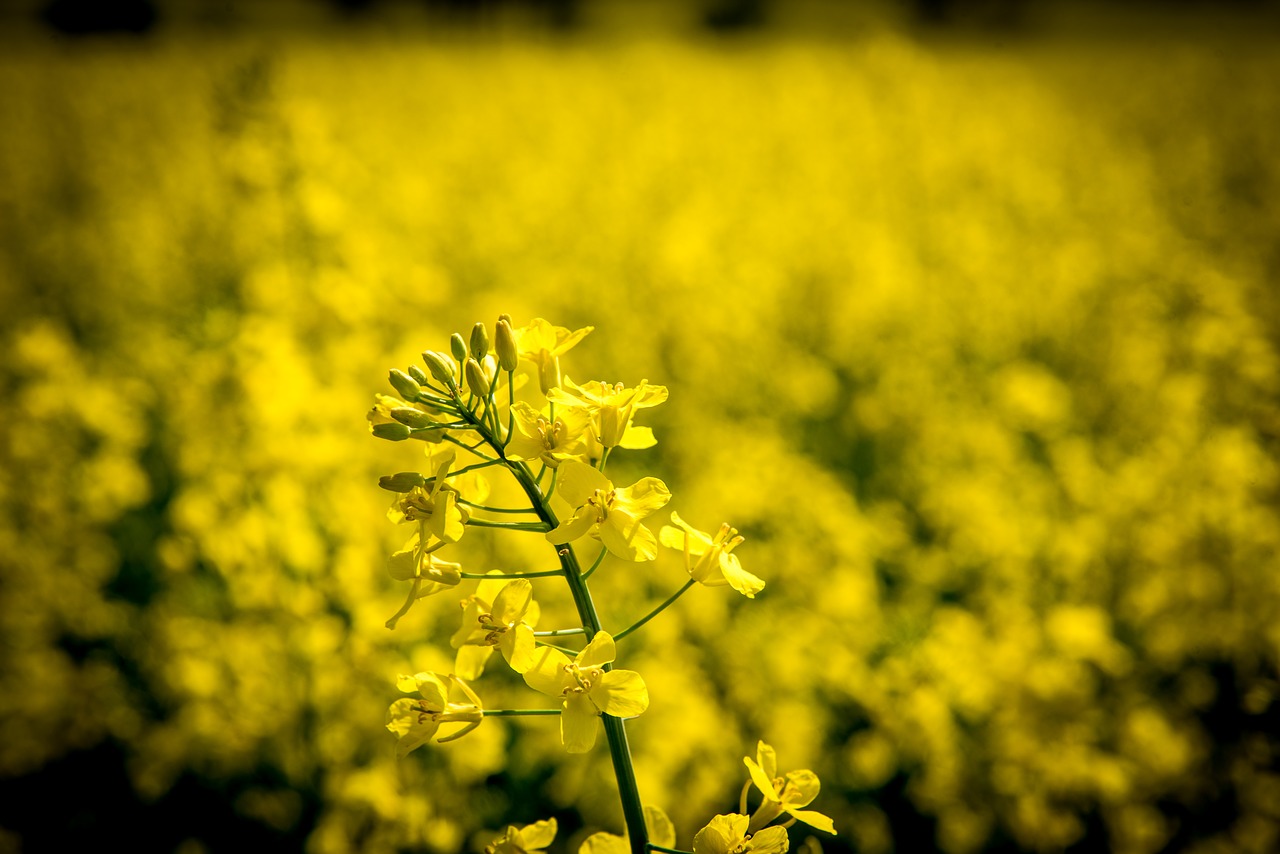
column 975, row 343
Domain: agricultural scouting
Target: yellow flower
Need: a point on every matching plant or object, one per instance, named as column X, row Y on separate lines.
column 727, row 834
column 612, row 515
column 428, row 573
column 433, row 506
column 612, row 409
column 537, row 438
column 501, row 615
column 415, row 722
column 530, row 839
column 709, row 559
column 543, row 345
column 661, row 832
column 784, row 794
column 587, row 689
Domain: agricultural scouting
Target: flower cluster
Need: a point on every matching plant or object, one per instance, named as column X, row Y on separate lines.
column 554, row 444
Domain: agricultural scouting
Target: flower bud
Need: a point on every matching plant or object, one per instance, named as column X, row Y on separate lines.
column 419, row 375
column 504, row 342
column 458, row 347
column 475, row 379
column 404, row 385
column 410, row 417
column 403, row 481
column 392, row 431
column 549, row 373
column 479, row 341
column 440, row 367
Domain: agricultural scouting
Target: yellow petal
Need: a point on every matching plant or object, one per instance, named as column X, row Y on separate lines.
column 661, row 830
column 621, row 693
column 518, row 647
column 720, row 835
column 647, row 495
column 540, row 834
column 513, row 600
column 434, row 691
column 578, row 482
column 575, row 527
column 546, row 674
column 771, row 840
column 768, row 759
column 763, row 782
column 739, row 579
column 814, row 819
column 601, row 650
column 637, row 438
column 626, row 538
column 470, row 661
column 800, row 789
column 578, row 723
column 605, row 843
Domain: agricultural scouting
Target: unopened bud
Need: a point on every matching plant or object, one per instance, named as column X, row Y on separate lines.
column 476, row 380
column 440, row 367
column 458, row 347
column 403, row 481
column 504, row 342
column 404, row 385
column 410, row 417
column 479, row 341
column 419, row 375
column 549, row 373
column 391, row 430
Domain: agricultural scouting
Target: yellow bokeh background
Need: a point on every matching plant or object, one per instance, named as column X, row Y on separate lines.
column 974, row 337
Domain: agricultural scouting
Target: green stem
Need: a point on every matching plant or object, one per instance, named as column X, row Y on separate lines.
column 666, row 850
column 614, row 728
column 475, row 466
column 655, row 612
column 569, row 652
column 472, row 448
column 558, row 633
column 512, row 713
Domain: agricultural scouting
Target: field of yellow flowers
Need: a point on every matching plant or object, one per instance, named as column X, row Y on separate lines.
column 975, row 341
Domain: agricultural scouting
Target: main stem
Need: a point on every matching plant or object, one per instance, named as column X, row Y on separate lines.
column 614, row 728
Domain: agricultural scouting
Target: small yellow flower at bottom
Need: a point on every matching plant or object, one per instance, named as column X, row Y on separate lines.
column 661, row 832
column 530, row 839
column 786, row 794
column 415, row 722
column 727, row 834
column 587, row 689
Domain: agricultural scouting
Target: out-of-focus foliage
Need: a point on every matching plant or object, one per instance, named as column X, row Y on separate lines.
column 976, row 346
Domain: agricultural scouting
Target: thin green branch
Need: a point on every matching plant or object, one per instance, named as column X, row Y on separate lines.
column 564, row 649
column 595, row 564
column 546, row 573
column 512, row 713
column 558, row 633
column 650, row 846
column 655, row 612
column 486, row 507
column 472, row 448
column 473, row 467
column 535, row 527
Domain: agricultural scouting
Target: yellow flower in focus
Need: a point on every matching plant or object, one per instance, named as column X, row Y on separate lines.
column 433, row 506
column 415, row 722
column 587, row 689
column 612, row 408
column 538, row 438
column 428, row 574
column 710, row 560
column 727, row 834
column 543, row 345
column 610, row 514
column 530, row 839
column 661, row 832
column 784, row 794
column 498, row 615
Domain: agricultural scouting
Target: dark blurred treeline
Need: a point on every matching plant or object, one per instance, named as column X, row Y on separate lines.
column 77, row 17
